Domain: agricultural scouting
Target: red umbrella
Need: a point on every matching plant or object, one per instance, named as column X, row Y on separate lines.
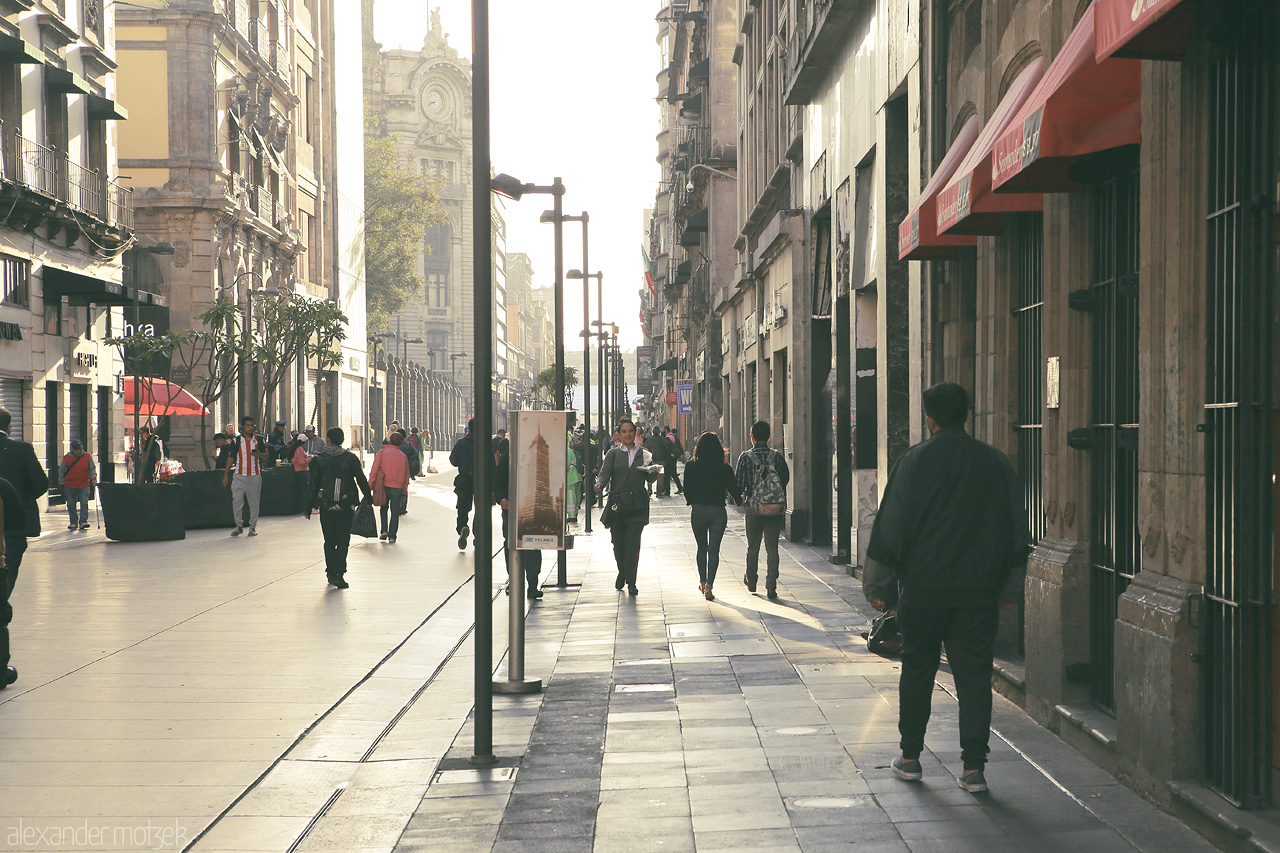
column 159, row 398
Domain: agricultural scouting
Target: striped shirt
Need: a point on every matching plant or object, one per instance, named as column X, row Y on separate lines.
column 247, row 465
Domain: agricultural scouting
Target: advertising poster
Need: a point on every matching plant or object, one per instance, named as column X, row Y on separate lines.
column 644, row 371
column 539, row 467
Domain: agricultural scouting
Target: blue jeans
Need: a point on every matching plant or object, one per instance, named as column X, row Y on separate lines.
column 393, row 506
column 77, row 499
column 709, row 522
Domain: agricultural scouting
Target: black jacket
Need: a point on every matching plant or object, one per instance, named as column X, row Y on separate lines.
column 952, row 523
column 462, row 456
column 707, row 480
column 344, row 470
column 18, row 465
column 15, row 517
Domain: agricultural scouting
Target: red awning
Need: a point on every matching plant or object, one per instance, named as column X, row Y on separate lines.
column 1143, row 29
column 918, row 237
column 159, row 398
column 1080, row 107
column 966, row 204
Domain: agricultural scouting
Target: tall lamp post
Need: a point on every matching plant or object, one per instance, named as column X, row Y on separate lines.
column 514, row 189
column 165, row 248
column 589, row 462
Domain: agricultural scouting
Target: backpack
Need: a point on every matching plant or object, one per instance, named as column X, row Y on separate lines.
column 768, row 497
column 337, row 480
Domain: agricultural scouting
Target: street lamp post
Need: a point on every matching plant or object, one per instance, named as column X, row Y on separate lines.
column 589, row 462
column 514, row 189
column 165, row 248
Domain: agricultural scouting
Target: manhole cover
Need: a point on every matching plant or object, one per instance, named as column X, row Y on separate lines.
column 644, row 688
column 463, row 777
column 796, row 730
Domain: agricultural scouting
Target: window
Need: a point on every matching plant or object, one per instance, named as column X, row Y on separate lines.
column 307, row 108
column 436, row 247
column 437, row 291
column 442, row 170
column 309, row 231
column 15, row 278
column 233, row 144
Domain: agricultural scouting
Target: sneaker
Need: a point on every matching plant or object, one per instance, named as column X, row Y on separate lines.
column 73, row 526
column 84, row 526
column 391, row 541
column 534, row 593
column 253, row 531
column 336, row 580
column 972, row 781
column 907, row 769
column 462, row 537
column 237, row 531
column 382, row 536
column 751, row 585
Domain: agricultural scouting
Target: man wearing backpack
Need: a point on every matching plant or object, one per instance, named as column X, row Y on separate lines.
column 415, row 467
column 337, row 481
column 762, row 478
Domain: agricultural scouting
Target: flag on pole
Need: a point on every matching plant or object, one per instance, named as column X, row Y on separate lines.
column 648, row 271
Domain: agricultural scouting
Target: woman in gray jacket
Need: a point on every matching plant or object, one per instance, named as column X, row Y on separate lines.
column 627, row 470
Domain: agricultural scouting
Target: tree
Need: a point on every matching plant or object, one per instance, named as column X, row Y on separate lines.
column 288, row 328
column 399, row 204
column 547, row 384
column 211, row 359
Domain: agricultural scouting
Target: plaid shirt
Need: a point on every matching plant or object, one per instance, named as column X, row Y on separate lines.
column 747, row 467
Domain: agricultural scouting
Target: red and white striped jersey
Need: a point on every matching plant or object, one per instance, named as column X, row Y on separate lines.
column 247, row 464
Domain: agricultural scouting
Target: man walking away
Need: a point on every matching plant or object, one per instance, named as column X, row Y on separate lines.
column 462, row 457
column 78, row 476
column 15, row 519
column 677, row 451
column 246, row 484
column 952, row 526
column 661, row 449
column 336, row 486
column 762, row 479
column 415, row 466
column 18, row 465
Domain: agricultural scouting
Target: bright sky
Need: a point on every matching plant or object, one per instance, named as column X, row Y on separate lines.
column 572, row 90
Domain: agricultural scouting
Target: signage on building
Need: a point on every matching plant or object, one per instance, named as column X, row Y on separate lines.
column 180, row 376
column 10, row 332
column 83, row 359
column 684, row 398
column 671, row 398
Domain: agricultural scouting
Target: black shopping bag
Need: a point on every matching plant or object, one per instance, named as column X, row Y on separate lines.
column 365, row 523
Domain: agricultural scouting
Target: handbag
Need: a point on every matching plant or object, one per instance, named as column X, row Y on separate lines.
column 884, row 638
column 364, row 524
column 624, row 502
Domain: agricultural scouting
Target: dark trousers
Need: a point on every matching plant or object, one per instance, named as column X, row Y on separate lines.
column 670, row 476
column 15, row 545
column 626, row 548
column 768, row 528
column 709, row 522
column 970, row 637
column 393, row 507
column 336, row 526
column 530, row 562
column 465, row 499
column 304, row 485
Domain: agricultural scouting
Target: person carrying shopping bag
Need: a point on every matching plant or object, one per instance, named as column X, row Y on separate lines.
column 706, row 480
column 626, row 470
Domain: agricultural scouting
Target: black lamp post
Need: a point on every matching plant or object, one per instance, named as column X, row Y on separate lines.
column 512, row 188
column 165, row 248
column 589, row 462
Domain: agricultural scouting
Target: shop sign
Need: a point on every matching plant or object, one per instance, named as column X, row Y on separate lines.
column 684, row 398
column 671, row 398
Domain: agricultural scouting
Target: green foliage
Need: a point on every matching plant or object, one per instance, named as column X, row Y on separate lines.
column 399, row 205
column 546, row 384
column 288, row 328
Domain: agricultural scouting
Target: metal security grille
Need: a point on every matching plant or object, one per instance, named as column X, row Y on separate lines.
column 1113, row 529
column 1028, row 311
column 1239, row 410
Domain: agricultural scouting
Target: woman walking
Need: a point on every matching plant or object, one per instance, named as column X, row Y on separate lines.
column 390, row 472
column 706, row 480
column 297, row 455
column 626, row 470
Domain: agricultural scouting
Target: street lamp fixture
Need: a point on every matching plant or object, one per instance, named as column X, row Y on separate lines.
column 453, row 367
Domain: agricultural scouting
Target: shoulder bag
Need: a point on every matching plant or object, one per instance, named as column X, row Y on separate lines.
column 625, row 501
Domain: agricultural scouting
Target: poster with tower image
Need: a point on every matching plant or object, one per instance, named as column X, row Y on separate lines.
column 539, row 469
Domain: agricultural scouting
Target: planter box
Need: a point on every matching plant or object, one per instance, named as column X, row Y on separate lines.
column 148, row 512
column 208, row 502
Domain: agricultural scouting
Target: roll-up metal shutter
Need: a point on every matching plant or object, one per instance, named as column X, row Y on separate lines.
column 311, row 416
column 11, row 399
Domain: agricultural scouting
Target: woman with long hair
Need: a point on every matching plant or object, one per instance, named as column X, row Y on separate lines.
column 707, row 478
column 627, row 470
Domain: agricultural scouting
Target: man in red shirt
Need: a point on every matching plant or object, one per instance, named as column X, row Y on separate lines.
column 244, row 470
column 78, row 477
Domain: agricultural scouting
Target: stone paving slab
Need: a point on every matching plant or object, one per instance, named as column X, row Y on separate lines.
column 668, row 722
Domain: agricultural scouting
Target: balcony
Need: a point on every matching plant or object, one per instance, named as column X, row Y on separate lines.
column 54, row 190
column 816, row 44
column 264, row 204
column 280, row 59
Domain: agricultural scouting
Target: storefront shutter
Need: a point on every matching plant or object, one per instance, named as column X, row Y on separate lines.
column 11, row 399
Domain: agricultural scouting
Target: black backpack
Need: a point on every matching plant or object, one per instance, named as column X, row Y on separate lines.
column 337, row 479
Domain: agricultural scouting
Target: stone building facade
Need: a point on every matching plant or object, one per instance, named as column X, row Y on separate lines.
column 247, row 155
column 68, row 221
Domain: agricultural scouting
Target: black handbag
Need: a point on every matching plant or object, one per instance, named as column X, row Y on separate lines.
column 624, row 502
column 884, row 638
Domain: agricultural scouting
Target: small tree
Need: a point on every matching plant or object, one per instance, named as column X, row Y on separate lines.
column 289, row 328
column 399, row 204
column 143, row 355
column 546, row 384
column 211, row 358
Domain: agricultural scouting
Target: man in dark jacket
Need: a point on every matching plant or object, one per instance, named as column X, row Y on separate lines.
column 15, row 518
column 415, row 467
column 18, row 465
column 528, row 560
column 462, row 457
column 337, row 482
column 953, row 527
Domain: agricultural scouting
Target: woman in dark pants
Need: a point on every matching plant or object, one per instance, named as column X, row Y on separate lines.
column 626, row 468
column 706, row 480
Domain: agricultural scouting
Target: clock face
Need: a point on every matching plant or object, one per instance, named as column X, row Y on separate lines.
column 435, row 101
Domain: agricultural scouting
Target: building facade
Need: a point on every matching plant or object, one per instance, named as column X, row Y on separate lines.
column 68, row 222
column 247, row 156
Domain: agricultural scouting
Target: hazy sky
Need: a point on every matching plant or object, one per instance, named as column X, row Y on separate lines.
column 573, row 87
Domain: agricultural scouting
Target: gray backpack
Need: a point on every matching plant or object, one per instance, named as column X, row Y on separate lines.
column 768, row 497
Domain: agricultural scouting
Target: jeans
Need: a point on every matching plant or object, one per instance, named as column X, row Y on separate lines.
column 77, row 499
column 768, row 527
column 304, row 485
column 626, row 548
column 709, row 522
column 336, row 526
column 246, row 489
column 395, row 500
column 970, row 636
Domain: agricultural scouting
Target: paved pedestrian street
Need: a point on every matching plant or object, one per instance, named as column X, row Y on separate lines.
column 215, row 695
